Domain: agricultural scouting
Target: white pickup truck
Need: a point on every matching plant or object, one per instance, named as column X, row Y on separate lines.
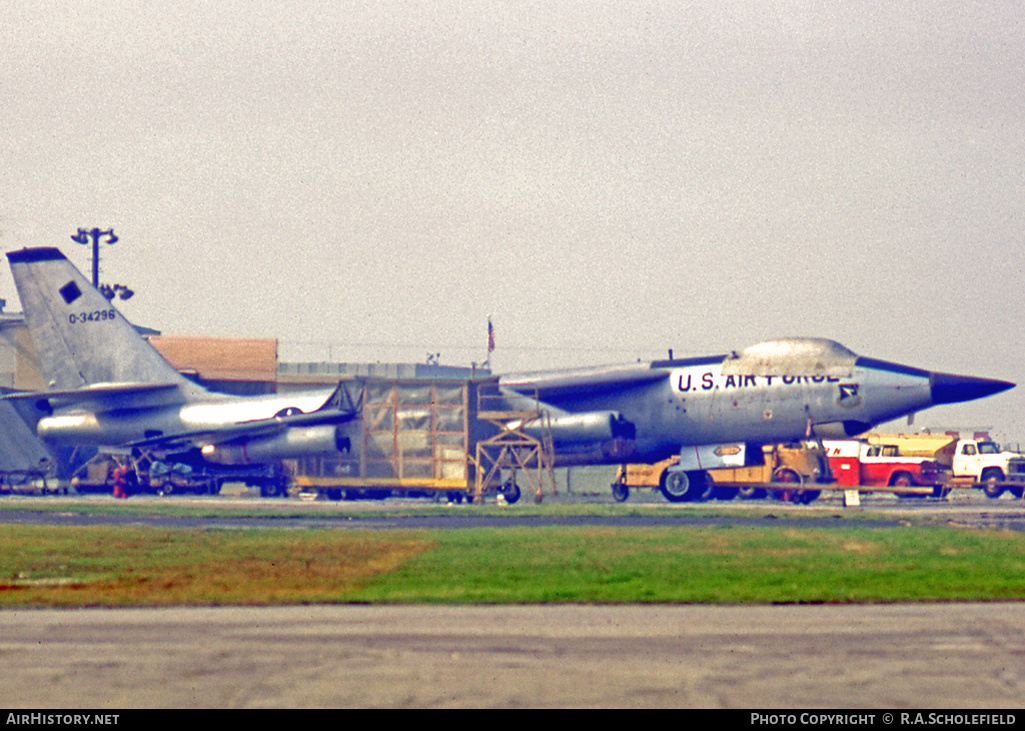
column 983, row 464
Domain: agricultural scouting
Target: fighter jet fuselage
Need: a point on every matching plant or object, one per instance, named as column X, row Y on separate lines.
column 781, row 390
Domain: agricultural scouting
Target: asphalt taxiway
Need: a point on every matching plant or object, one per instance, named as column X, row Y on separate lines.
column 887, row 656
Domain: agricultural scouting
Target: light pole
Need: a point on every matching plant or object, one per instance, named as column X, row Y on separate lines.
column 84, row 237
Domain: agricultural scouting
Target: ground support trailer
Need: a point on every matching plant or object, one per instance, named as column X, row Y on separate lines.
column 126, row 474
column 412, row 437
column 793, row 473
column 40, row 481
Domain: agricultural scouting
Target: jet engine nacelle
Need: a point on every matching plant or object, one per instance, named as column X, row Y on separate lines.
column 293, row 442
column 590, row 426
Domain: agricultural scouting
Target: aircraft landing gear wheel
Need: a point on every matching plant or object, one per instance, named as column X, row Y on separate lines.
column 510, row 491
column 620, row 491
column 273, row 488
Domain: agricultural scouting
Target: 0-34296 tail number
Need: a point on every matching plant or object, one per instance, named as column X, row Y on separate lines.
column 96, row 316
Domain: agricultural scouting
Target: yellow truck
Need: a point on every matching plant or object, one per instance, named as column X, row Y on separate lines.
column 786, row 472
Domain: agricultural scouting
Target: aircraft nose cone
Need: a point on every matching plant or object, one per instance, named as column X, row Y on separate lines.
column 951, row 389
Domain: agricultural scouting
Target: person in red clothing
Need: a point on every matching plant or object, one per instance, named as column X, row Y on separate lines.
column 121, row 481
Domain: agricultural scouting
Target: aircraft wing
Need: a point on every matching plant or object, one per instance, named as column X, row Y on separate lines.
column 590, row 381
column 247, row 429
column 101, row 393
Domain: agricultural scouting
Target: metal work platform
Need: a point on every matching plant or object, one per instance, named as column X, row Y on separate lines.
column 511, row 448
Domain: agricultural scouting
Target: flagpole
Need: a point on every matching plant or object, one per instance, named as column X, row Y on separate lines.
column 491, row 343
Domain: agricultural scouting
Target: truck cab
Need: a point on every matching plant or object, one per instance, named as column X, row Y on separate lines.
column 984, row 463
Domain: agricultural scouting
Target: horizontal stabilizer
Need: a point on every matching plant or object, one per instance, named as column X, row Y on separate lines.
column 121, row 393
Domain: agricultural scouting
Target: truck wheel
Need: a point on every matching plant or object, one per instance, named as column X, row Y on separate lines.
column 675, row 486
column 725, row 493
column 901, row 479
column 789, row 476
column 702, row 486
column 991, row 483
column 273, row 488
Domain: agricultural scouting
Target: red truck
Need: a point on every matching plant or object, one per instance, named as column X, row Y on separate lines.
column 859, row 463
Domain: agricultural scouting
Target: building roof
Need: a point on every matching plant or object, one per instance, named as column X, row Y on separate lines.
column 221, row 359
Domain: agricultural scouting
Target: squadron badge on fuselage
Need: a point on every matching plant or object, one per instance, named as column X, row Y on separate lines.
column 849, row 396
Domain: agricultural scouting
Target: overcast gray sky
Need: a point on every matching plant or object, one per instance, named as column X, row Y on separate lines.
column 607, row 180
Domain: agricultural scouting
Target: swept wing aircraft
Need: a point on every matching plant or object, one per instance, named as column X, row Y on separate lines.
column 717, row 411
column 109, row 387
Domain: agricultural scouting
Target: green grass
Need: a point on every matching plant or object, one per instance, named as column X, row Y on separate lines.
column 110, row 566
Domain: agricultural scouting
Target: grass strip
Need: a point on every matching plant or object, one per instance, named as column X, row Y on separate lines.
column 111, row 566
column 354, row 511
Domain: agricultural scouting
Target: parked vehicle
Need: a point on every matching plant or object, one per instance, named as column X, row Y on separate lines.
column 981, row 463
column 859, row 463
column 125, row 475
column 782, row 471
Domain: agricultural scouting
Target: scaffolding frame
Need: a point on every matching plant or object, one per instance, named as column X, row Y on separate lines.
column 512, row 447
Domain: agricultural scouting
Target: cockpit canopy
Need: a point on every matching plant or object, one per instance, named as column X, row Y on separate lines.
column 792, row 357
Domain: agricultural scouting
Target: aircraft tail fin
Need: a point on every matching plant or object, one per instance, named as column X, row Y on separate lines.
column 80, row 338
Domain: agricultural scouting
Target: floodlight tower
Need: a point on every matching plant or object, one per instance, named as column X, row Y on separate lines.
column 83, row 237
